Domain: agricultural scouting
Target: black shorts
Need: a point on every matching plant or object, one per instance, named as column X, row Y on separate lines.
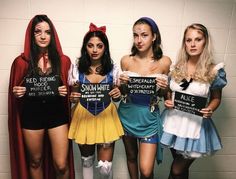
column 44, row 113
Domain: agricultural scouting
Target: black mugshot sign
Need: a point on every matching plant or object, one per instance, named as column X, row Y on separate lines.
column 95, row 92
column 189, row 103
column 142, row 85
column 37, row 86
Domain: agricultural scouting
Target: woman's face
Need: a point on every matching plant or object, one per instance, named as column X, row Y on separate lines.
column 95, row 48
column 42, row 34
column 143, row 37
column 194, row 42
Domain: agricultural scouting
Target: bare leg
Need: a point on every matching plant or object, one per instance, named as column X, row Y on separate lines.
column 60, row 147
column 34, row 142
column 147, row 155
column 131, row 149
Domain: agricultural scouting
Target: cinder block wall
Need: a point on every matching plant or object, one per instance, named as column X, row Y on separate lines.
column 72, row 18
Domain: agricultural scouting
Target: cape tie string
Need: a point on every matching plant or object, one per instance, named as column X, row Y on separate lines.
column 45, row 61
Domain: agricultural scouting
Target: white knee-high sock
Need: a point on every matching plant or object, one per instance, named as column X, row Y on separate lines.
column 87, row 164
column 105, row 169
column 88, row 172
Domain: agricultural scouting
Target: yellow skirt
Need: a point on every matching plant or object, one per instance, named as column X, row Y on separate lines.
column 86, row 128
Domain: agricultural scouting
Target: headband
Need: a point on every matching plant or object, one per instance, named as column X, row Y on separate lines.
column 151, row 22
column 94, row 28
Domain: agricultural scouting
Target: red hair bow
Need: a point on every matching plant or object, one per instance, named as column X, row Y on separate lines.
column 93, row 28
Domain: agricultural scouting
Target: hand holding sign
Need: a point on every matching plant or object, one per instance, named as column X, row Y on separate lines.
column 42, row 85
column 207, row 112
column 142, row 85
column 115, row 92
column 189, row 103
column 19, row 91
column 162, row 82
column 95, row 92
column 169, row 104
column 75, row 95
column 62, row 90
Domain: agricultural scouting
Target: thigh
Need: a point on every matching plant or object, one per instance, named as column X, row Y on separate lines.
column 131, row 146
column 34, row 142
column 105, row 151
column 147, row 155
column 59, row 142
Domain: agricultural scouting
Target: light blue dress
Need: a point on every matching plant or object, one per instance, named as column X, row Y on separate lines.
column 192, row 136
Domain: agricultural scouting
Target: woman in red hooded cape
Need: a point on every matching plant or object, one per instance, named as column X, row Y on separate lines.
column 21, row 163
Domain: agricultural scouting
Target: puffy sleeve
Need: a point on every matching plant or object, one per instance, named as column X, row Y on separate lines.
column 73, row 75
column 116, row 75
column 220, row 80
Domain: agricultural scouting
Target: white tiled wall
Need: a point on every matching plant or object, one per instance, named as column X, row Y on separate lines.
column 72, row 18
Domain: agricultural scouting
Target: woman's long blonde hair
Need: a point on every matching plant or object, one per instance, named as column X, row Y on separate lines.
column 204, row 72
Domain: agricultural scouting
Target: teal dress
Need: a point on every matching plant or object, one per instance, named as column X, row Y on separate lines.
column 139, row 121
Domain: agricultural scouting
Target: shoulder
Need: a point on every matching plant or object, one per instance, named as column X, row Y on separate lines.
column 124, row 62
column 217, row 67
column 20, row 62
column 65, row 59
column 125, row 58
column 115, row 66
column 165, row 62
column 220, row 80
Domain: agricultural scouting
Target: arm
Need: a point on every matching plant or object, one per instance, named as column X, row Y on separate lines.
column 124, row 67
column 115, row 94
column 215, row 91
column 214, row 103
column 18, row 71
column 65, row 66
column 168, row 99
column 72, row 80
column 162, row 82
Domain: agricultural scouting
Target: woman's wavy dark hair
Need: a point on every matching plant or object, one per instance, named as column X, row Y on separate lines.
column 53, row 54
column 156, row 46
column 85, row 61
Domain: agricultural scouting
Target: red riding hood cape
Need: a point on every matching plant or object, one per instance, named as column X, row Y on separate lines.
column 19, row 166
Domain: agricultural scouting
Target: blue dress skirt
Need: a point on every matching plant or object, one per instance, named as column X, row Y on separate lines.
column 177, row 133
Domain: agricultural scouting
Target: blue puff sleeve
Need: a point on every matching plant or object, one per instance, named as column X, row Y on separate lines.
column 220, row 81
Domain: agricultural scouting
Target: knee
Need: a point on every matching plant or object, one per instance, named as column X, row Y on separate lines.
column 88, row 162
column 146, row 174
column 35, row 163
column 105, row 168
column 176, row 172
column 61, row 167
column 132, row 158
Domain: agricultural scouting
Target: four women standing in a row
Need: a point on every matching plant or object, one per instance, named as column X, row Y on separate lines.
column 99, row 123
